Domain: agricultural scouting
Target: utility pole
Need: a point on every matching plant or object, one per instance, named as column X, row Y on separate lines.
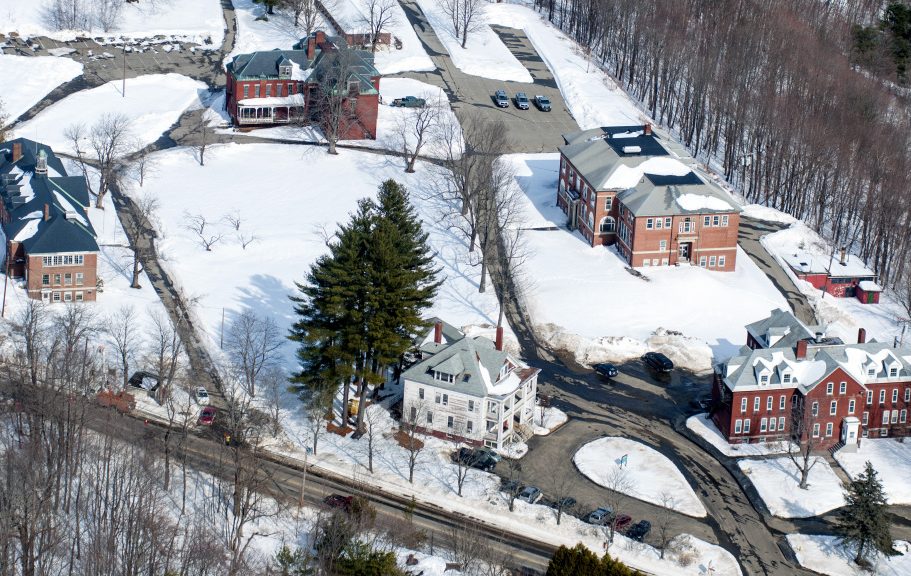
column 123, row 90
column 221, row 339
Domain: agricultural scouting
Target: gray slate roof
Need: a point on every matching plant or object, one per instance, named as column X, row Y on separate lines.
column 265, row 64
column 783, row 327
column 62, row 194
column 656, row 195
column 596, row 155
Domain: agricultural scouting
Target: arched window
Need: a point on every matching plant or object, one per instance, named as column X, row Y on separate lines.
column 608, row 224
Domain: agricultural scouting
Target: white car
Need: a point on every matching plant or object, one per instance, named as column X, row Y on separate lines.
column 202, row 397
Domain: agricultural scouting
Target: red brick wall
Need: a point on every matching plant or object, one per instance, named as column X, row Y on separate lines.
column 36, row 272
column 706, row 241
column 756, row 416
column 876, row 409
column 854, row 391
column 235, row 90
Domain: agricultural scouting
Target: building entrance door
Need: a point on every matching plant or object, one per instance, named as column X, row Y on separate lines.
column 683, row 251
column 46, row 297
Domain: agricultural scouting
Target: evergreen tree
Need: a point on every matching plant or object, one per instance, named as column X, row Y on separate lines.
column 863, row 521
column 580, row 560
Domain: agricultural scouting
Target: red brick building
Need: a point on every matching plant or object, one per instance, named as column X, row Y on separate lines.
column 789, row 371
column 627, row 186
column 49, row 239
column 279, row 87
column 842, row 276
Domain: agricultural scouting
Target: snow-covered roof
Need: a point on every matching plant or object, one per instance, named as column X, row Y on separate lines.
column 814, row 263
column 671, row 194
column 869, row 286
column 292, row 100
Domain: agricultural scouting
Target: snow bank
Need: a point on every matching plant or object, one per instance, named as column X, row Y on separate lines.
column 153, row 104
column 34, row 78
column 187, row 21
column 548, row 420
column 484, row 55
column 765, row 213
column 703, row 426
column 891, row 460
column 778, row 482
column 824, row 554
column 647, row 474
column 694, row 202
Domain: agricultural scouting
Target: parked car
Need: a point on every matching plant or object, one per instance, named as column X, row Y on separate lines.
column 622, row 522
column 521, row 101
column 543, row 103
column 206, row 416
column 490, row 452
column 339, row 502
column 639, row 530
column 501, row 98
column 606, row 370
column 599, row 516
column 509, row 486
column 563, row 503
column 409, row 102
column 701, row 403
column 202, row 397
column 530, row 494
column 658, row 361
column 474, row 458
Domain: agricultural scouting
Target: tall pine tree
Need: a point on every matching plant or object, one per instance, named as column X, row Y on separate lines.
column 863, row 522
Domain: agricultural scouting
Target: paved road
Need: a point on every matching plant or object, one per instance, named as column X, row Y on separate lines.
column 751, row 230
column 530, row 130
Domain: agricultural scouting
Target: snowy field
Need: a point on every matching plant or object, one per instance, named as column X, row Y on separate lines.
column 185, row 20
column 153, row 104
column 288, row 222
column 777, row 480
column 703, row 426
column 647, row 475
column 694, row 325
column 351, row 14
column 278, row 31
column 34, row 78
column 843, row 316
column 593, row 97
column 484, row 55
column 825, row 555
column 890, row 459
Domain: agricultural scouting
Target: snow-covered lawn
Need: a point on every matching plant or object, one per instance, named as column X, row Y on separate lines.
column 593, row 97
column 647, row 474
column 275, row 31
column 689, row 313
column 842, row 316
column 153, row 104
column 824, row 554
column 777, row 481
column 351, row 14
column 33, row 78
column 484, row 55
column 191, row 21
column 551, row 419
column 703, row 426
column 890, row 459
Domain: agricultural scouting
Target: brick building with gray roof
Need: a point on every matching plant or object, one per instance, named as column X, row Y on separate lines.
column 50, row 242
column 632, row 187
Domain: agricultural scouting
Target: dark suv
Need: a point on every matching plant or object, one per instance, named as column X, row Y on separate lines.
column 475, row 459
column 658, row 361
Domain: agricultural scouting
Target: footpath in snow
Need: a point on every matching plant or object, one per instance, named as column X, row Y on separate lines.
column 635, row 469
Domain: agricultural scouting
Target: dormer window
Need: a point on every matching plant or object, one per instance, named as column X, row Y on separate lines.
column 786, row 378
column 284, row 71
column 763, row 379
column 893, row 372
column 443, row 377
column 871, row 371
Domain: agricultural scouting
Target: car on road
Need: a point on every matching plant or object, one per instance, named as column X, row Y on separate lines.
column 474, row 458
column 599, row 516
column 543, row 103
column 606, row 370
column 409, row 102
column 206, row 416
column 530, row 494
column 339, row 502
column 639, row 530
column 563, row 503
column 658, row 361
column 622, row 522
column 501, row 98
column 202, row 397
column 521, row 101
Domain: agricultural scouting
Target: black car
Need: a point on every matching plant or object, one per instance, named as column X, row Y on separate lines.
column 606, row 370
column 658, row 361
column 563, row 503
column 475, row 459
column 639, row 530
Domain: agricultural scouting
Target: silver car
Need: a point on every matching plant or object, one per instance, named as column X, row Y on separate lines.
column 202, row 397
column 530, row 494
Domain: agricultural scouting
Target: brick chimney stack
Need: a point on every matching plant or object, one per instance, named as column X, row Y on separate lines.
column 844, row 256
column 47, row 213
column 801, row 352
column 498, row 343
column 438, row 332
column 17, row 151
column 861, row 336
column 647, row 129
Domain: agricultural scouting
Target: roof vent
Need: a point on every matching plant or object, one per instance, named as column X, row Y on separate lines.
column 71, row 215
column 632, row 149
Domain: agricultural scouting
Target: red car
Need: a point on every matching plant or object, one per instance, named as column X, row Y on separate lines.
column 338, row 501
column 206, row 416
column 621, row 522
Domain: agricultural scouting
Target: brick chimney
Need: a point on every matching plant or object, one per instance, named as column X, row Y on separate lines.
column 843, row 260
column 801, row 351
column 438, row 332
column 647, row 129
column 861, row 336
column 311, row 47
column 498, row 343
column 17, row 151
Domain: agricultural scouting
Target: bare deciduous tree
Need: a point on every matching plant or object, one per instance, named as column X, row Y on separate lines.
column 126, row 338
column 466, row 17
column 560, row 489
column 408, row 436
column 4, row 118
column 33, row 329
column 165, row 351
column 144, row 165
column 274, row 382
column 804, row 438
column 317, row 406
column 338, row 89
column 379, row 15
column 618, row 486
column 107, row 13
column 665, row 522
column 415, row 128
column 110, row 139
column 373, row 416
column 253, row 345
column 199, row 225
column 77, row 136
column 203, row 135
column 141, row 217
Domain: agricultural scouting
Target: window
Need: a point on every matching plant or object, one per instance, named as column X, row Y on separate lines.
column 815, row 409
column 256, row 91
column 842, row 387
column 445, row 399
column 430, row 417
column 702, row 261
column 421, row 393
column 904, row 416
column 667, row 222
column 449, row 421
column 56, row 297
column 706, row 221
column 414, row 414
column 469, row 426
column 662, row 245
column 67, row 296
column 246, row 91
column 664, row 261
column 78, row 296
column 763, row 380
column 907, row 394
column 57, row 279
column 738, row 426
column 443, row 377
column 833, row 408
column 882, row 396
column 816, row 430
column 781, row 423
column 68, row 279
column 869, row 396
column 45, row 280
column 829, row 388
column 646, row 262
column 871, row 371
column 268, row 90
column 850, row 406
column 786, row 378
column 756, row 404
column 715, row 220
column 828, row 429
column 893, row 372
column 724, row 220
column 721, row 261
column 866, row 418
column 885, row 416
column 763, row 425
column 895, row 395
column 772, row 426
column 471, row 405
column 608, row 203
column 711, row 261
column 79, row 278
column 743, row 405
column 781, row 402
column 608, row 224
column 768, row 404
column 648, row 223
column 658, row 223
column 746, row 426
column 656, row 261
column 894, row 416
column 438, row 398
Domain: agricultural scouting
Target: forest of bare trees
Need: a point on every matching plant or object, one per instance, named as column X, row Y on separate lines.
column 767, row 91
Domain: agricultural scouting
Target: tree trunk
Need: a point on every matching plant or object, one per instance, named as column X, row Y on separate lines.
column 345, row 393
column 135, row 282
column 483, row 286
